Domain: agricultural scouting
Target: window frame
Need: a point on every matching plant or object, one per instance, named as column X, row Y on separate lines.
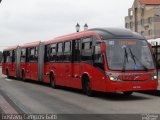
column 4, row 58
column 59, row 54
column 13, row 56
column 52, row 54
column 76, row 53
column 9, row 56
column 67, row 54
column 87, row 50
column 24, row 55
column 32, row 58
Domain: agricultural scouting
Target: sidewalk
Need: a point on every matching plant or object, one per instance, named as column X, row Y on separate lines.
column 7, row 106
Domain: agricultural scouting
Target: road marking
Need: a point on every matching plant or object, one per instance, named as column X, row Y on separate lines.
column 8, row 79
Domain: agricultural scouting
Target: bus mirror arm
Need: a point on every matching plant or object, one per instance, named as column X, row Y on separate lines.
column 98, row 42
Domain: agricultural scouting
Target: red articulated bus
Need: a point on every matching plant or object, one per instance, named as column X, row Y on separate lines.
column 102, row 59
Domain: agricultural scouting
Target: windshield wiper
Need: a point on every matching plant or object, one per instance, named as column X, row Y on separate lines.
column 125, row 58
column 134, row 57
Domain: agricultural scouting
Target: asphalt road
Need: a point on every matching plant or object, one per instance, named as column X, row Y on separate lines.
column 38, row 98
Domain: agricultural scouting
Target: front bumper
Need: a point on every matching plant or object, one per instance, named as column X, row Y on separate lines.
column 131, row 86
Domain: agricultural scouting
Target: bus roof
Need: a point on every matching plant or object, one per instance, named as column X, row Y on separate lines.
column 103, row 33
column 112, row 33
column 71, row 36
column 11, row 48
column 31, row 44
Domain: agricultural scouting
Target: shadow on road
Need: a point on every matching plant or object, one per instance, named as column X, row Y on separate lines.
column 107, row 96
column 120, row 97
column 154, row 92
column 101, row 95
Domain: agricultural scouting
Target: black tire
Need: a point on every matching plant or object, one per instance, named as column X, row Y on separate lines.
column 23, row 77
column 128, row 93
column 52, row 81
column 87, row 87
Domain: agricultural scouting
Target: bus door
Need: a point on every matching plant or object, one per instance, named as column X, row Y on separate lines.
column 34, row 63
column 99, row 68
column 17, row 62
column 11, row 61
column 67, row 63
column 28, row 66
column 76, row 55
column 61, row 66
column 13, row 64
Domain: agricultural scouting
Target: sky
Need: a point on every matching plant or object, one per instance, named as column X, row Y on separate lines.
column 23, row 21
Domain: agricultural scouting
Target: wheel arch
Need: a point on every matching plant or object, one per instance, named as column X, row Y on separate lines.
column 85, row 74
column 52, row 73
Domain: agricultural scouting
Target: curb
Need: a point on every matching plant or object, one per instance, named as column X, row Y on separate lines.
column 13, row 104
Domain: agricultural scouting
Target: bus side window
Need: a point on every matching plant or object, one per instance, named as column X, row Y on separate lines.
column 67, row 51
column 52, row 51
column 76, row 53
column 4, row 57
column 13, row 56
column 59, row 52
column 97, row 57
column 32, row 50
column 9, row 56
column 47, row 50
column 87, row 49
column 27, row 54
column 36, row 53
column 23, row 55
column 33, row 54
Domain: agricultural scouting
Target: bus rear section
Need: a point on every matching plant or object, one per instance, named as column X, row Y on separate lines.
column 10, row 63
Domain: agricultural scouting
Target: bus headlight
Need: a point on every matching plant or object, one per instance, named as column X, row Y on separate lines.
column 113, row 78
column 154, row 76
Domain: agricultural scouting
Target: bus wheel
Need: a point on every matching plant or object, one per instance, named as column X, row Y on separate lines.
column 128, row 93
column 52, row 81
column 23, row 77
column 87, row 87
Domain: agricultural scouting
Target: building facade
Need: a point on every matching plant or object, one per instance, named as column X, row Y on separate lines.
column 144, row 18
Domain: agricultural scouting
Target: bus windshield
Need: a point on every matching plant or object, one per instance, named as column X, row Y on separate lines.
column 128, row 54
